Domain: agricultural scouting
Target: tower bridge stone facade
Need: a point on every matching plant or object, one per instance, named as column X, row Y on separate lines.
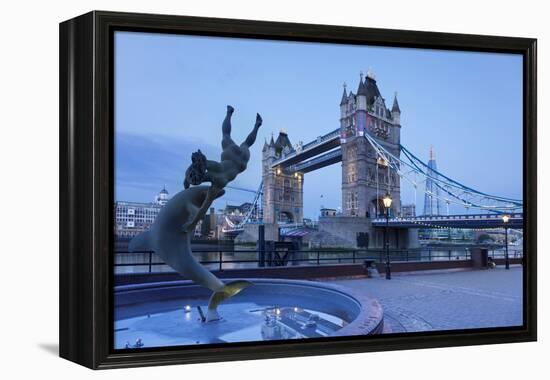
column 366, row 177
column 283, row 190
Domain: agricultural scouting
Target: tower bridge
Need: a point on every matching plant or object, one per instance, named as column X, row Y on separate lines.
column 374, row 163
column 365, row 177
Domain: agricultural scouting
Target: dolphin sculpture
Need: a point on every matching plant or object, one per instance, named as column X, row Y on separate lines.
column 173, row 245
column 170, row 235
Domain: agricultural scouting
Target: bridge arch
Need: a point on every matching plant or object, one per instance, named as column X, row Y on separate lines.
column 286, row 216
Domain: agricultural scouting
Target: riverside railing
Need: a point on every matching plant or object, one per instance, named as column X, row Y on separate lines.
column 226, row 259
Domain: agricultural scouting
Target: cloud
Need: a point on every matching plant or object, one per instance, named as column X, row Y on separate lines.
column 145, row 164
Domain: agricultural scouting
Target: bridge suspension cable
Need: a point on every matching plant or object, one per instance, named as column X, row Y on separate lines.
column 241, row 189
column 412, row 170
column 456, row 193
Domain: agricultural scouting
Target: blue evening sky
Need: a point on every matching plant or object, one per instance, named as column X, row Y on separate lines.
column 171, row 93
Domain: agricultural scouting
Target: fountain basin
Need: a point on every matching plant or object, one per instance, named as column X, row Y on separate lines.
column 164, row 314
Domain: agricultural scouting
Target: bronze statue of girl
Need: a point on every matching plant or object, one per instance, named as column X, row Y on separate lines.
column 234, row 159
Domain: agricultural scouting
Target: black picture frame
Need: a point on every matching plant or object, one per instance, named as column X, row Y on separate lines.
column 86, row 186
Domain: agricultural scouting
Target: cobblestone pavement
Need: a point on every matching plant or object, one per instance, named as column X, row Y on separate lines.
column 443, row 301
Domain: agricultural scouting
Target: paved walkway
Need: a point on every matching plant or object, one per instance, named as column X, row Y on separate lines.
column 443, row 301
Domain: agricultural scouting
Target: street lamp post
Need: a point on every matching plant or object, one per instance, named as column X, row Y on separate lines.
column 387, row 204
column 506, row 219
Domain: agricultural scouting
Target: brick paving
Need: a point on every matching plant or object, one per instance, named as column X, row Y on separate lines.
column 447, row 301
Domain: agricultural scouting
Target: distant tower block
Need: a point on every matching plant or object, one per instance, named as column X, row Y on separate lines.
column 283, row 193
column 366, row 178
column 432, row 203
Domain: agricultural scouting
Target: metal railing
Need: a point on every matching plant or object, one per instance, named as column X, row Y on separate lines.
column 149, row 262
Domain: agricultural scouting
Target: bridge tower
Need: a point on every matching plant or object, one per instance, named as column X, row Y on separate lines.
column 283, row 191
column 432, row 203
column 366, row 178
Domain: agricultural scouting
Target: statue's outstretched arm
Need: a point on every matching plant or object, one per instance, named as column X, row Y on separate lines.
column 252, row 136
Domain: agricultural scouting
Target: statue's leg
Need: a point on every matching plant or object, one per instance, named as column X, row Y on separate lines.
column 226, row 128
column 251, row 138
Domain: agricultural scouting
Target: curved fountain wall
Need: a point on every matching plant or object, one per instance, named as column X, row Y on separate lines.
column 363, row 314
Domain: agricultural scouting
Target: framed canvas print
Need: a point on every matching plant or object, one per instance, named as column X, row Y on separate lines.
column 237, row 189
